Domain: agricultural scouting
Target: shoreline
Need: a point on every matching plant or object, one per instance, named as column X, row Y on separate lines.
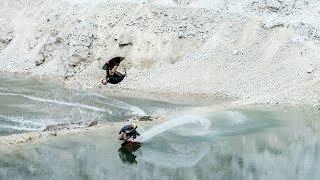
column 35, row 136
column 174, row 98
column 23, row 138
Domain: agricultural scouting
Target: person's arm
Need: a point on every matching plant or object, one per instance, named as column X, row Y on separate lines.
column 124, row 129
column 107, row 76
column 129, row 131
column 107, row 73
column 114, row 69
column 105, row 67
column 125, row 72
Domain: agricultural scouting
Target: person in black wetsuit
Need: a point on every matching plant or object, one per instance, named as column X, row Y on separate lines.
column 112, row 76
column 128, row 131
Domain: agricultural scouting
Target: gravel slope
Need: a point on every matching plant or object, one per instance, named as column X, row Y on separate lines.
column 244, row 51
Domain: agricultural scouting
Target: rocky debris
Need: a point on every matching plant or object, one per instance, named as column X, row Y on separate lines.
column 311, row 69
column 75, row 41
column 273, row 5
column 146, row 118
column 79, row 35
column 38, row 63
column 59, row 127
column 19, row 138
column 270, row 5
column 86, row 39
column 5, row 39
column 124, row 39
column 79, row 47
column 235, row 52
column 41, row 60
column 184, row 2
column 272, row 25
column 125, row 44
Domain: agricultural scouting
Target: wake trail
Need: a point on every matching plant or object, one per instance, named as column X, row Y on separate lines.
column 19, row 128
column 24, row 121
column 58, row 102
column 183, row 120
column 120, row 104
column 67, row 103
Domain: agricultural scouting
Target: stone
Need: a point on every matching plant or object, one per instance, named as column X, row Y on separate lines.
column 77, row 125
column 311, row 69
column 41, row 59
column 272, row 25
column 125, row 44
column 93, row 123
column 273, row 5
column 143, row 118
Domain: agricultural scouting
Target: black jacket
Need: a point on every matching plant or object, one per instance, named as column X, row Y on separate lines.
column 130, row 131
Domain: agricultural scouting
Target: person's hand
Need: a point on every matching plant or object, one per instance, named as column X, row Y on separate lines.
column 105, row 81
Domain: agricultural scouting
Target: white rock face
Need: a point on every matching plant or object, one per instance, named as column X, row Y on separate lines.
column 250, row 51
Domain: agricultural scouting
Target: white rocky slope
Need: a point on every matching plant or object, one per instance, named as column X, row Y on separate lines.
column 248, row 51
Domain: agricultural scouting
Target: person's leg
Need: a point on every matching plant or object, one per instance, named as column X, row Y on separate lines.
column 105, row 80
column 127, row 137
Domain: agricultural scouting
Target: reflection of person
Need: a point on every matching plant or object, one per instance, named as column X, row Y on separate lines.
column 125, row 152
column 128, row 131
column 126, row 156
column 112, row 76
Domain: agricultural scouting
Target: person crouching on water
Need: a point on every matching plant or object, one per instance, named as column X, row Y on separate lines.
column 112, row 76
column 128, row 131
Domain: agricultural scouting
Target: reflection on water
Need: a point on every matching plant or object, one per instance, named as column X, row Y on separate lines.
column 264, row 145
column 126, row 152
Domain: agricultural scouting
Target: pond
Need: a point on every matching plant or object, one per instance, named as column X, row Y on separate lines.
column 244, row 143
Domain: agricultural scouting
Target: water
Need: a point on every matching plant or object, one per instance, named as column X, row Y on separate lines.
column 175, row 123
column 28, row 105
column 225, row 144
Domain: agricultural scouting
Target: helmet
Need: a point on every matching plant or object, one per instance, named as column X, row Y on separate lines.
column 134, row 125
